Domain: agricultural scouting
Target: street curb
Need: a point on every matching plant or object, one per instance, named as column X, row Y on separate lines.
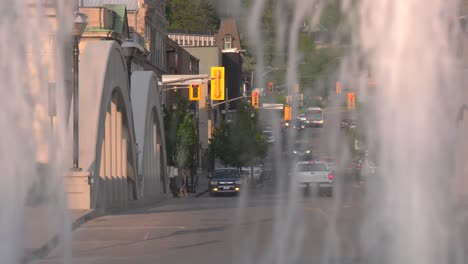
column 201, row 193
column 45, row 249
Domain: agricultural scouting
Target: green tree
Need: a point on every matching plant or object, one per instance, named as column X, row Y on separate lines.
column 240, row 143
column 206, row 17
column 187, row 143
column 180, row 14
column 172, row 121
column 192, row 15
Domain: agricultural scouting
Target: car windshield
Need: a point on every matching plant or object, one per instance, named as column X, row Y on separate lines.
column 314, row 115
column 225, row 174
column 301, row 147
column 329, row 160
column 312, row 167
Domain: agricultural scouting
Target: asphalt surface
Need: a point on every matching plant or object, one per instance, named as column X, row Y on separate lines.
column 257, row 227
column 267, row 223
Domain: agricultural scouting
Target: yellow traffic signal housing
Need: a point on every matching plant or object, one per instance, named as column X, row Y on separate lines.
column 194, row 92
column 338, row 87
column 287, row 112
column 217, row 83
column 351, row 101
column 255, row 99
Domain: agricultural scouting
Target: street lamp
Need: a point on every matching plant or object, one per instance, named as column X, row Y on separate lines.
column 271, row 69
column 263, row 74
column 79, row 27
column 129, row 50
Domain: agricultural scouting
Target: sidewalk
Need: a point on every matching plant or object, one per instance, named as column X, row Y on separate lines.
column 43, row 226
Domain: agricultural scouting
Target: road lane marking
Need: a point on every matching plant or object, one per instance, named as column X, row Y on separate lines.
column 132, row 227
column 318, row 209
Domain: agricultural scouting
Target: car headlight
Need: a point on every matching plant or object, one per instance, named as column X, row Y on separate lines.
column 213, row 182
column 308, row 151
column 238, row 182
column 303, row 127
column 295, row 152
column 286, row 124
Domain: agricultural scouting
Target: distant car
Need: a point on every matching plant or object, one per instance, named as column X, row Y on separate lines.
column 299, row 124
column 301, row 151
column 269, row 135
column 348, row 124
column 302, row 117
column 286, row 124
column 316, row 175
column 247, row 172
column 225, row 180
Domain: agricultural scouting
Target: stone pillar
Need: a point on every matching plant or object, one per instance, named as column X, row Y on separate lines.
column 78, row 190
column 107, row 176
column 114, row 152
column 119, row 173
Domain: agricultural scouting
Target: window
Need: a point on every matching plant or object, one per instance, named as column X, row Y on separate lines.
column 147, row 31
column 228, row 42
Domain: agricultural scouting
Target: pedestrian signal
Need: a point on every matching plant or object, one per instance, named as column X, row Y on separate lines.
column 270, row 88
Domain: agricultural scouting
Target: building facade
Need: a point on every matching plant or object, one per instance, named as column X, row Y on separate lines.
column 147, row 26
column 192, row 38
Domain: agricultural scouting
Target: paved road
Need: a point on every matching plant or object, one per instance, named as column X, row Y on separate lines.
column 269, row 225
column 255, row 228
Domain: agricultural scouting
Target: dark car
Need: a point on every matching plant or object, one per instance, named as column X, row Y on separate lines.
column 225, row 180
column 299, row 124
column 348, row 124
column 301, row 151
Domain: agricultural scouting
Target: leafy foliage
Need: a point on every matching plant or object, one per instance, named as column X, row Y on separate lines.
column 187, row 142
column 172, row 122
column 239, row 143
column 192, row 15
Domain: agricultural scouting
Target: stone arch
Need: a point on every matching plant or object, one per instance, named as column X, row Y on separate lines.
column 105, row 105
column 149, row 127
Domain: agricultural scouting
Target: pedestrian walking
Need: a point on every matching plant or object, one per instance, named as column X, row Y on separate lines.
column 183, row 186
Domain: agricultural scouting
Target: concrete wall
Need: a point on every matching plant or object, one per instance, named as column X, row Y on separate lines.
column 208, row 56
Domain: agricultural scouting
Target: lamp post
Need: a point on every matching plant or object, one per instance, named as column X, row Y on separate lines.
column 129, row 50
column 79, row 27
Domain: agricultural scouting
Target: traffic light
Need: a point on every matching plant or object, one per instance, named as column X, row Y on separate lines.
column 255, row 99
column 217, row 83
column 194, row 92
column 338, row 87
column 270, row 88
column 287, row 112
column 351, row 101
